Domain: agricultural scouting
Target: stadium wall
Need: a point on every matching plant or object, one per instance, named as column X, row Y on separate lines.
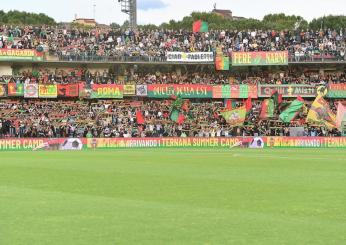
column 33, row 144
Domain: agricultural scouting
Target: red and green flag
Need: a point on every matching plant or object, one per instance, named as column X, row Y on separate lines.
column 222, row 63
column 15, row 89
column 248, row 104
column 177, row 117
column 292, row 110
column 267, row 109
column 277, row 98
column 235, row 117
column 200, row 26
column 229, row 104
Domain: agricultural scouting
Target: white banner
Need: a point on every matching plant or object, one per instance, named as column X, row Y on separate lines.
column 142, row 90
column 30, row 90
column 190, row 57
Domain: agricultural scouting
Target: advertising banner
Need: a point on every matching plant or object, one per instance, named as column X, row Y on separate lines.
column 306, row 142
column 107, row 91
column 36, row 144
column 198, row 57
column 129, row 90
column 184, row 91
column 336, row 91
column 20, row 54
column 30, row 90
column 3, row 90
column 142, row 90
column 47, row 91
column 68, row 90
column 15, row 89
column 242, row 91
column 288, row 90
column 260, row 58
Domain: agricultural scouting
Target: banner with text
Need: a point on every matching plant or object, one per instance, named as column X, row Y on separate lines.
column 198, row 57
column 35, row 144
column 20, row 54
column 306, row 142
column 260, row 58
column 337, row 90
column 107, row 91
column 129, row 90
column 288, row 90
column 47, row 91
column 184, row 91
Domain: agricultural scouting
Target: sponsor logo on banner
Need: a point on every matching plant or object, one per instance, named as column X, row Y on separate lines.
column 184, row 91
column 141, row 90
column 30, row 90
column 289, row 90
column 20, row 54
column 190, row 57
column 2, row 90
column 48, row 91
column 129, row 90
column 68, row 90
column 15, row 89
column 107, row 91
column 260, row 58
column 336, row 90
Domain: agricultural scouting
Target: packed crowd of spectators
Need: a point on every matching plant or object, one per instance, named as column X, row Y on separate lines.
column 101, row 44
column 70, row 76
column 38, row 118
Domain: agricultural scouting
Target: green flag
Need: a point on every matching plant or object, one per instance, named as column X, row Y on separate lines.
column 292, row 111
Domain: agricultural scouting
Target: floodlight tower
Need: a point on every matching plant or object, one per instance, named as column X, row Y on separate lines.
column 130, row 7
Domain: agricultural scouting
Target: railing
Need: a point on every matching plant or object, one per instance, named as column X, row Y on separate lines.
column 97, row 58
column 306, row 58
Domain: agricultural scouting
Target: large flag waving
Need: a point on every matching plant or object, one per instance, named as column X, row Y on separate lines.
column 277, row 98
column 200, row 26
column 321, row 113
column 292, row 110
column 235, row 117
column 267, row 110
column 340, row 115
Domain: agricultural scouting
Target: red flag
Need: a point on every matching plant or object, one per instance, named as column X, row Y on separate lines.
column 140, row 118
column 181, row 119
column 185, row 107
column 248, row 104
column 229, row 105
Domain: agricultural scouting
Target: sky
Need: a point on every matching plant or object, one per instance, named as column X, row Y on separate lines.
column 158, row 11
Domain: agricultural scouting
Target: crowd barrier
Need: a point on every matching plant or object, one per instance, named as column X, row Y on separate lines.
column 35, row 144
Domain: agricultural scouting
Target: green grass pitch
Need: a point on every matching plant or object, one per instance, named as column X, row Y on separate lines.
column 173, row 196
